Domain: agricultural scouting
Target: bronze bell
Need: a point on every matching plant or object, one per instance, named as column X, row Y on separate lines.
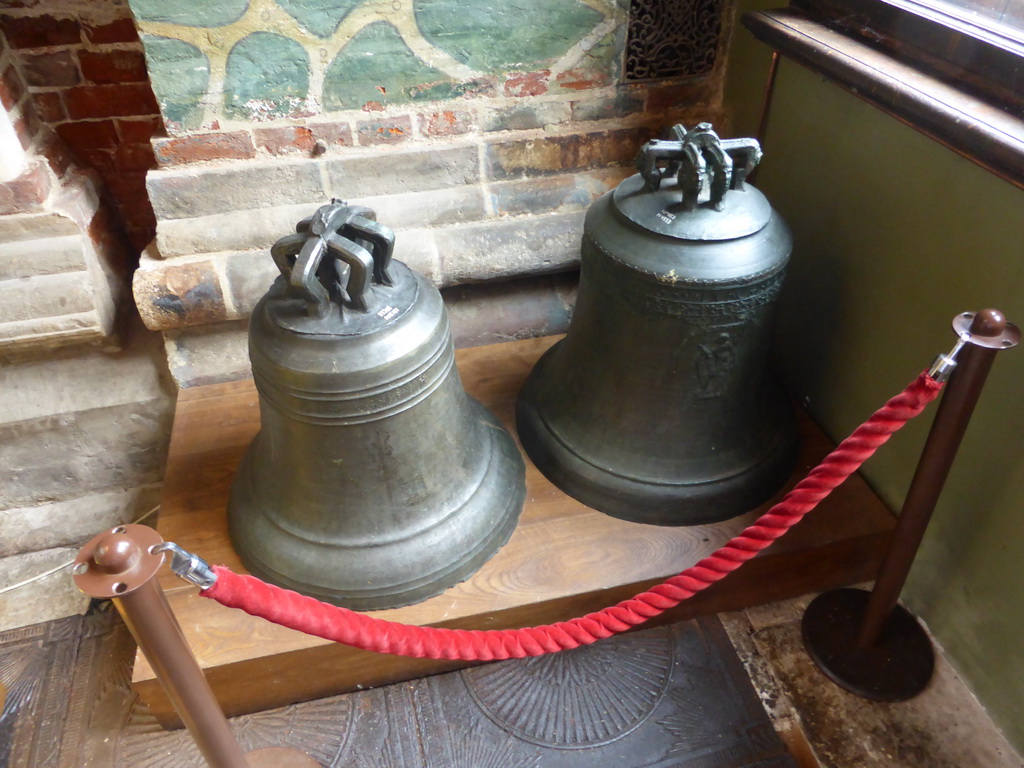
column 658, row 406
column 375, row 480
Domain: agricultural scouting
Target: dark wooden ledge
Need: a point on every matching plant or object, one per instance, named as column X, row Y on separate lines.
column 969, row 125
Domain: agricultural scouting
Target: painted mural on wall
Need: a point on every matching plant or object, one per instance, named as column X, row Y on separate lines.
column 262, row 60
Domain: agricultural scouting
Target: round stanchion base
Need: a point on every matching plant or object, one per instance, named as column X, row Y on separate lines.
column 280, row 757
column 897, row 668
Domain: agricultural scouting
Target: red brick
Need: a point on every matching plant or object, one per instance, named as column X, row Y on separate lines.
column 28, row 111
column 582, row 79
column 7, row 204
column 25, row 193
column 140, row 228
column 100, row 159
column 11, row 88
column 50, row 70
column 136, row 207
column 11, row 202
column 481, row 87
column 39, row 179
column 57, row 155
column 140, row 221
column 134, row 157
column 332, row 134
column 113, row 66
column 286, row 140
column 527, row 83
column 668, row 97
column 39, row 31
column 24, row 132
column 558, row 154
column 446, row 123
column 127, row 184
column 85, row 101
column 91, row 134
column 49, row 106
column 387, row 131
column 137, row 214
column 137, row 203
column 138, row 131
column 624, row 102
column 120, row 31
column 204, row 146
column 106, row 233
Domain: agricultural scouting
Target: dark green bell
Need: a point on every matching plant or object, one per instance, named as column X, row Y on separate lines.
column 658, row 406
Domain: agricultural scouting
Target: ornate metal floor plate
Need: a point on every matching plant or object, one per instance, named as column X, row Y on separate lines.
column 36, row 666
column 671, row 696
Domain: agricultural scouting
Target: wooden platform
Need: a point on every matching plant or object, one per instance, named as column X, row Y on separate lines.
column 564, row 559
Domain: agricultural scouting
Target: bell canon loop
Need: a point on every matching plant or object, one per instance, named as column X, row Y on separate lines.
column 375, row 480
column 658, row 406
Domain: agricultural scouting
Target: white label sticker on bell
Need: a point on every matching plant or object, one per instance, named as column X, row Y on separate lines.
column 387, row 312
column 667, row 217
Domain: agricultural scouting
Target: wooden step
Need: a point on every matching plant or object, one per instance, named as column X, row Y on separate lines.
column 563, row 560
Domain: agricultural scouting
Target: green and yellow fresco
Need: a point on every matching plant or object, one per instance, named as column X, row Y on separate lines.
column 218, row 14
column 377, row 67
column 268, row 75
column 244, row 60
column 497, row 37
column 185, row 73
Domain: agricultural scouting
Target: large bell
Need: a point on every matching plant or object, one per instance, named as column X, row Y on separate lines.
column 658, row 406
column 375, row 480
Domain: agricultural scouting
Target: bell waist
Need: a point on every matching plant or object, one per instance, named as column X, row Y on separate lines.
column 328, row 399
column 680, row 294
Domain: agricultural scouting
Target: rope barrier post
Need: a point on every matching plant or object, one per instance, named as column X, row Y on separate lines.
column 864, row 641
column 121, row 564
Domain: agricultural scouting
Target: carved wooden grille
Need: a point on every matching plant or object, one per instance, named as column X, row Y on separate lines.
column 672, row 38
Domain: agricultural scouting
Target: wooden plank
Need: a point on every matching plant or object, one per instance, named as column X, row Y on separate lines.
column 564, row 559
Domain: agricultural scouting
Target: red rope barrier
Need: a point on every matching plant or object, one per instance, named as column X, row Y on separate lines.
column 313, row 617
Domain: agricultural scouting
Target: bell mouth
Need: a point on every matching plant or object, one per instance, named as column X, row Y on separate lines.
column 461, row 538
column 672, row 500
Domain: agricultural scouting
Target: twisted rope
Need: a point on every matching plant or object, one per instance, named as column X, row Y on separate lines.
column 306, row 614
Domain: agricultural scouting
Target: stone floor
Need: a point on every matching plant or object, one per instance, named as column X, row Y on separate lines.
column 826, row 727
column 667, row 696
column 733, row 691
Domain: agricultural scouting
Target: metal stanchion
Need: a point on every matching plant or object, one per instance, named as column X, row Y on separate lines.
column 122, row 564
column 864, row 641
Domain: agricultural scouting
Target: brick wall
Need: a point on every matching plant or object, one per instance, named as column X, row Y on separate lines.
column 85, row 401
column 63, row 266
column 84, row 72
column 27, row 192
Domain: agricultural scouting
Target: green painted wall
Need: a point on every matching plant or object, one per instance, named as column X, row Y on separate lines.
column 269, row 59
column 894, row 235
